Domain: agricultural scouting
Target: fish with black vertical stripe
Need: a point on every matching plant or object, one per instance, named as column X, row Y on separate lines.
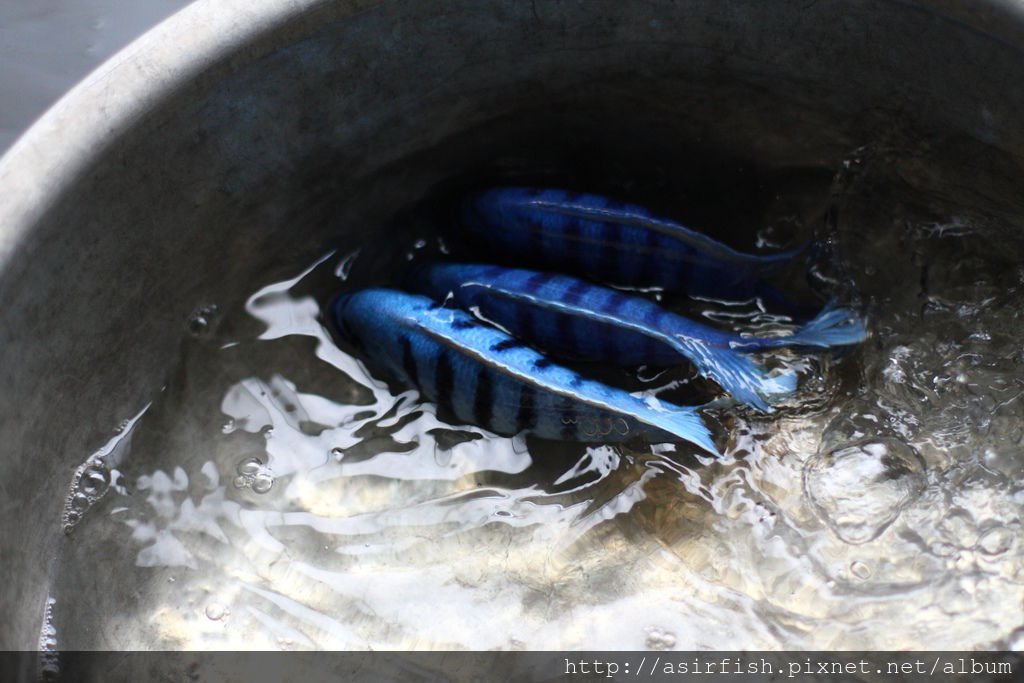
column 577, row 320
column 614, row 242
column 488, row 378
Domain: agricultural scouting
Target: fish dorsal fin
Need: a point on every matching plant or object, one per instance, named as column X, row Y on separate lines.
column 637, row 219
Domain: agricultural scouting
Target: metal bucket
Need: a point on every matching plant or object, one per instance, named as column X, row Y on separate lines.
column 241, row 137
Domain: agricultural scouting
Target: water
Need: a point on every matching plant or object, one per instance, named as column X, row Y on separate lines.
column 275, row 495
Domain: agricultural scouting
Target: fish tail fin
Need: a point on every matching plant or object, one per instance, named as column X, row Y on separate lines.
column 741, row 377
column 834, row 326
column 687, row 424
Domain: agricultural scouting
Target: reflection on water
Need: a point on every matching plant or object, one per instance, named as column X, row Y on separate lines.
column 275, row 495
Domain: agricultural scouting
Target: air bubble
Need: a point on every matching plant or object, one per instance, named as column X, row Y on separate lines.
column 338, row 453
column 860, row 569
column 659, row 639
column 228, row 426
column 94, row 481
column 199, row 322
column 262, row 483
column 80, row 502
column 216, row 611
column 253, row 474
column 859, row 489
column 250, row 467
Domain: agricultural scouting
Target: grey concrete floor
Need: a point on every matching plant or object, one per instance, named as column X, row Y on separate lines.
column 46, row 46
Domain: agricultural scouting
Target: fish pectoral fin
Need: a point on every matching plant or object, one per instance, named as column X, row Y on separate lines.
column 684, row 422
column 637, row 219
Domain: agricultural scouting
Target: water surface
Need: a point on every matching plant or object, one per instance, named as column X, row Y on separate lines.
column 277, row 495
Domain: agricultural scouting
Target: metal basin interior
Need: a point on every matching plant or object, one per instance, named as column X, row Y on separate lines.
column 239, row 139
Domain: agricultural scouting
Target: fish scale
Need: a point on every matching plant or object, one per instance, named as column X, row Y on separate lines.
column 613, row 242
column 580, row 321
column 485, row 377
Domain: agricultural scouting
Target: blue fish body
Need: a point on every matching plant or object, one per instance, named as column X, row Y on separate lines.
column 611, row 241
column 577, row 320
column 488, row 378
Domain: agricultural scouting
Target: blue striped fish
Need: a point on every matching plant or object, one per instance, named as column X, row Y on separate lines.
column 576, row 320
column 614, row 242
column 485, row 377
